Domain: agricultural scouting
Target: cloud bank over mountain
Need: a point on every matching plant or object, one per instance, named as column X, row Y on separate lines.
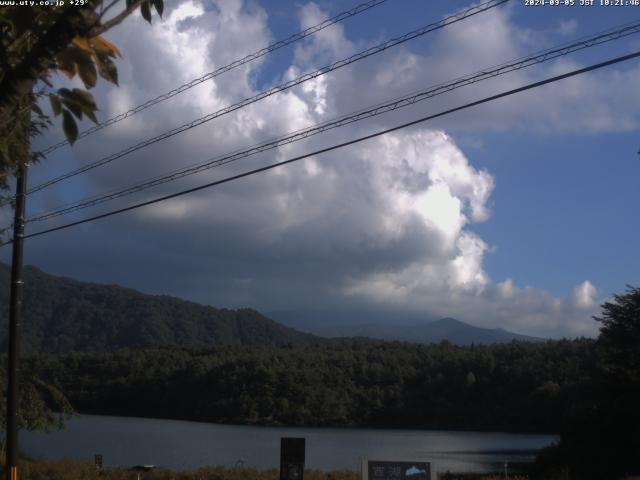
column 386, row 223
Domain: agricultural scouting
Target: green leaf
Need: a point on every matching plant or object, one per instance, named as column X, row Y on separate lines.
column 88, row 74
column 56, row 106
column 159, row 6
column 74, row 60
column 74, row 107
column 64, row 92
column 83, row 97
column 69, row 126
column 80, row 101
column 145, row 10
column 108, row 70
column 66, row 62
column 91, row 115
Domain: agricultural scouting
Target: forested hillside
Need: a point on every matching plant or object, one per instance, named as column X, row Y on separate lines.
column 62, row 315
column 517, row 386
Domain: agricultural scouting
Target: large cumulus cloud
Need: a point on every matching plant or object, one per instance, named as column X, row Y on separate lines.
column 385, row 223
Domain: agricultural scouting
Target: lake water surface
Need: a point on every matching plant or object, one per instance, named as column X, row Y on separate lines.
column 187, row 445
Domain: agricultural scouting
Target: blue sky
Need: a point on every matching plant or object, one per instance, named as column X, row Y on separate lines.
column 517, row 214
column 572, row 196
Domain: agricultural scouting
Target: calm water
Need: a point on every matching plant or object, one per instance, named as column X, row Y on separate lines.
column 186, row 445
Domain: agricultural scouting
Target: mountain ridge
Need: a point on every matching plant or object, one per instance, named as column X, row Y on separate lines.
column 62, row 314
column 403, row 329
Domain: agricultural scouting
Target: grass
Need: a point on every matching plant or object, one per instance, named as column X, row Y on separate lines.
column 69, row 469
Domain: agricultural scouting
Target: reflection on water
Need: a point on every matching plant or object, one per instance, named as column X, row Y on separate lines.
column 186, row 445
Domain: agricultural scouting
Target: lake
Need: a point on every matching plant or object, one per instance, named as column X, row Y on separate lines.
column 187, row 445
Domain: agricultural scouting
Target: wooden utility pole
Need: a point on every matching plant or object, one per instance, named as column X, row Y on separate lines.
column 15, row 313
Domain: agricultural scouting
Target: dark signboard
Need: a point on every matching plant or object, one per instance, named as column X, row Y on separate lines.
column 291, row 458
column 389, row 470
column 97, row 458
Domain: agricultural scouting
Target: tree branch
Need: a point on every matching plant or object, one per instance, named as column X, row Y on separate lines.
column 106, row 9
column 100, row 29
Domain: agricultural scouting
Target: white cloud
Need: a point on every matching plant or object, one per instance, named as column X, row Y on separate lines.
column 584, row 295
column 325, row 46
column 567, row 27
column 579, row 104
column 506, row 289
column 388, row 221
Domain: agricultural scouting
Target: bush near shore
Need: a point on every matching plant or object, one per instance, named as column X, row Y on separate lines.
column 69, row 469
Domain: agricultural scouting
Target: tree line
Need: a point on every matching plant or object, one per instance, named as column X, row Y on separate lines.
column 517, row 386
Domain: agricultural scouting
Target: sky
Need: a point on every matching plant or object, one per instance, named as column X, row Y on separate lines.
column 516, row 214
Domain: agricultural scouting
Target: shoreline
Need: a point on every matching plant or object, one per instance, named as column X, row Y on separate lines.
column 373, row 427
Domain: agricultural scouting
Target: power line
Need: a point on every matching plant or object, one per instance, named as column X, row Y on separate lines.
column 340, row 145
column 401, row 102
column 282, row 87
column 219, row 71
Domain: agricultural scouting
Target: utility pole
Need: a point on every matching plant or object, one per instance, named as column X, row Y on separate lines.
column 15, row 312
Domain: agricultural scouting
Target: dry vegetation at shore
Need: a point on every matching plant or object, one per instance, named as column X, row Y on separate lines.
column 68, row 469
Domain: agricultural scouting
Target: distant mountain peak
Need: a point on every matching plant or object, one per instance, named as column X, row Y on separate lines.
column 449, row 321
column 408, row 329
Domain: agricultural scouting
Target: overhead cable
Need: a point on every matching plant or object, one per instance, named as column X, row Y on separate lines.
column 282, row 87
column 404, row 101
column 219, row 71
column 338, row 146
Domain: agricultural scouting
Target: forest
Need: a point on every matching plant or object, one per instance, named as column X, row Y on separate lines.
column 518, row 386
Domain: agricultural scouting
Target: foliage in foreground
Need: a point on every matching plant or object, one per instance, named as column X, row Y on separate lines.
column 67, row 469
column 42, row 406
column 600, row 437
column 38, row 41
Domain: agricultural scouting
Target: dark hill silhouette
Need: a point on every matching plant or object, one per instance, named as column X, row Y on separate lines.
column 62, row 315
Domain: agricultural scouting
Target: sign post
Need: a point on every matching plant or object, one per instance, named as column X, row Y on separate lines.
column 292, row 453
column 397, row 470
